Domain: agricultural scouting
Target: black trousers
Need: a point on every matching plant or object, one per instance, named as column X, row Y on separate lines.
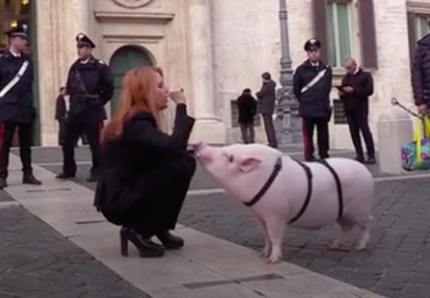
column 73, row 130
column 358, row 122
column 163, row 196
column 270, row 130
column 321, row 125
column 62, row 134
column 248, row 133
column 25, row 134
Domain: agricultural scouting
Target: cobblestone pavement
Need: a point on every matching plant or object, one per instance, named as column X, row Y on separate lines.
column 37, row 262
column 397, row 265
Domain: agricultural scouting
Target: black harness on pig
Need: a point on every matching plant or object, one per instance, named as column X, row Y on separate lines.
column 277, row 168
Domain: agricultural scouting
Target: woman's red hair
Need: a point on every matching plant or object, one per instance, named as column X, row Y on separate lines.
column 138, row 93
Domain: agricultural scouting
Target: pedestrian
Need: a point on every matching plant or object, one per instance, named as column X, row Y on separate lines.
column 247, row 106
column 266, row 104
column 90, row 87
column 421, row 74
column 61, row 114
column 357, row 86
column 17, row 109
column 145, row 173
column 311, row 86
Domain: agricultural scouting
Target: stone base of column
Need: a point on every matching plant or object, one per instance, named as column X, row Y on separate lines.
column 209, row 131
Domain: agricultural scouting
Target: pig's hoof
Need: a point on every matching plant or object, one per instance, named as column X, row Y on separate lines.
column 265, row 253
column 361, row 246
column 273, row 260
column 335, row 245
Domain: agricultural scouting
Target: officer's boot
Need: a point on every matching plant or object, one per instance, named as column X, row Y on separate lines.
column 92, row 178
column 3, row 183
column 28, row 178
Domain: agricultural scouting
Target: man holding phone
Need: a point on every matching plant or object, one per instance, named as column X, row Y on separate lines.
column 357, row 86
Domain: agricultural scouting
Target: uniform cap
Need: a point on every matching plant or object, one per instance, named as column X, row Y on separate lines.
column 83, row 40
column 18, row 31
column 312, row 43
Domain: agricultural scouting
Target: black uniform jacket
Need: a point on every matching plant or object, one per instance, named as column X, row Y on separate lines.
column 315, row 102
column 130, row 164
column 90, row 87
column 17, row 104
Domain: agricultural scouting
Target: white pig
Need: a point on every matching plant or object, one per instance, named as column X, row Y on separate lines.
column 242, row 170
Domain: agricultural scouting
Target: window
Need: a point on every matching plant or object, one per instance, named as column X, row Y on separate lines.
column 335, row 26
column 12, row 13
column 338, row 112
column 421, row 26
column 338, row 33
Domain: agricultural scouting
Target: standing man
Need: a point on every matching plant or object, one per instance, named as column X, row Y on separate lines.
column 16, row 104
column 61, row 114
column 90, row 87
column 311, row 86
column 357, row 86
column 421, row 75
column 247, row 106
column 267, row 98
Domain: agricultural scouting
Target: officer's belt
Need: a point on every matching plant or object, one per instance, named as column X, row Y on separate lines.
column 15, row 79
column 83, row 97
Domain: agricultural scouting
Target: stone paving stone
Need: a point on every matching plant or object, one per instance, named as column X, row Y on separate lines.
column 397, row 264
column 4, row 196
column 37, row 262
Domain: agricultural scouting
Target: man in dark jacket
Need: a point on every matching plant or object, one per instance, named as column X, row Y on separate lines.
column 357, row 86
column 266, row 103
column 90, row 87
column 16, row 104
column 311, row 86
column 247, row 106
column 421, row 75
column 60, row 114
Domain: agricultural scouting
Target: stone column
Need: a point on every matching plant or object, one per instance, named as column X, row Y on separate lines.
column 208, row 127
column 61, row 20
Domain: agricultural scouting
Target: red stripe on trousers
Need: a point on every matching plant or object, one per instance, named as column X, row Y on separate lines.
column 305, row 140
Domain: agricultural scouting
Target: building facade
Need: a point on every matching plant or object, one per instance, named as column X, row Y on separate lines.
column 215, row 49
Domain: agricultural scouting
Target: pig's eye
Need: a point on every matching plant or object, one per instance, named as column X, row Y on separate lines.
column 231, row 158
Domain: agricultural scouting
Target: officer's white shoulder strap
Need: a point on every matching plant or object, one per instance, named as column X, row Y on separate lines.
column 101, row 62
column 315, row 80
column 15, row 79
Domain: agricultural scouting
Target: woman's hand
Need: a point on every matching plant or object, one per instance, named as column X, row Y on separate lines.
column 177, row 95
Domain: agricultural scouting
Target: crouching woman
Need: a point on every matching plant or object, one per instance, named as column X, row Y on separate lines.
column 145, row 173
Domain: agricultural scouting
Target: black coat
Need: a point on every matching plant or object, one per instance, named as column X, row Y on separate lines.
column 247, row 107
column 16, row 105
column 60, row 108
column 362, row 83
column 130, row 175
column 90, row 87
column 267, row 97
column 315, row 102
column 421, row 72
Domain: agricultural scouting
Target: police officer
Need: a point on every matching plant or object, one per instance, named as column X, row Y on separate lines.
column 90, row 87
column 16, row 104
column 312, row 85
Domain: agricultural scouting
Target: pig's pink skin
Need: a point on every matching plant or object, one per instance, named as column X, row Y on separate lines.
column 286, row 195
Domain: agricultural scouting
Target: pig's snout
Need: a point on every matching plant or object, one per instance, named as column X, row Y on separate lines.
column 199, row 147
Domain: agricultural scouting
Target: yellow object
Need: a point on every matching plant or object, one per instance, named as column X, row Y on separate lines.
column 422, row 125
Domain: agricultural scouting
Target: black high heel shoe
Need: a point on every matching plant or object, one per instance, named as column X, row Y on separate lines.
column 147, row 248
column 170, row 241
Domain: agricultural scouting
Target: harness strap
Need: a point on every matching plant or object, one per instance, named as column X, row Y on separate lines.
column 338, row 186
column 276, row 169
column 308, row 195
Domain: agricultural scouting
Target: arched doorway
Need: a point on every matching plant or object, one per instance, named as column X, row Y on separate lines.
column 122, row 61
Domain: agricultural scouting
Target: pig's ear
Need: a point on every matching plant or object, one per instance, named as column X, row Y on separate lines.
column 249, row 164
